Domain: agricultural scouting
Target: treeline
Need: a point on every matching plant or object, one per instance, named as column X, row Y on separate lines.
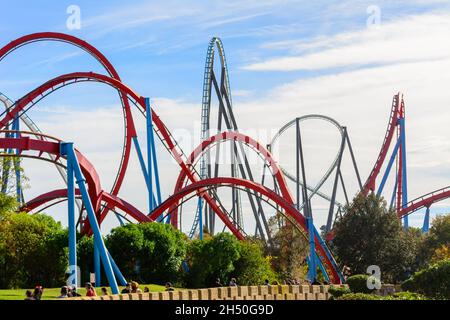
column 369, row 233
column 33, row 250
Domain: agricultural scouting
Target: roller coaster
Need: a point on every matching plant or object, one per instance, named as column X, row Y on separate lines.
column 201, row 176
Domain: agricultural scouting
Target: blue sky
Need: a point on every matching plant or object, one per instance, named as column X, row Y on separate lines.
column 286, row 59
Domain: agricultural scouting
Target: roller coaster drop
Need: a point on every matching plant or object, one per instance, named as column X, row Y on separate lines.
column 94, row 203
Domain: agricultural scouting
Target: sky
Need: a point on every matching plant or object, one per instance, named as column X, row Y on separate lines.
column 343, row 59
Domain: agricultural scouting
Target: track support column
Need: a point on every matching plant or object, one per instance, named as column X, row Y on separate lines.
column 66, row 149
column 426, row 221
column 72, row 224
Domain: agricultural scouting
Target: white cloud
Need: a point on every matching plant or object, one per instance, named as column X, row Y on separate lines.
column 407, row 39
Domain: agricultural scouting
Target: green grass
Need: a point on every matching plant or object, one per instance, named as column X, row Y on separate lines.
column 53, row 293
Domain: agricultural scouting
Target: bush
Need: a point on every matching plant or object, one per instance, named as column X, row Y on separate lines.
column 33, row 250
column 397, row 296
column 148, row 252
column 405, row 296
column 337, row 292
column 358, row 283
column 223, row 256
column 369, row 233
column 359, row 296
column 433, row 281
column 210, row 259
column 252, row 268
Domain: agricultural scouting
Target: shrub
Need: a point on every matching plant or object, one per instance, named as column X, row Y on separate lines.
column 358, row 284
column 148, row 252
column 397, row 296
column 433, row 281
column 359, row 296
column 406, row 296
column 337, row 292
column 252, row 268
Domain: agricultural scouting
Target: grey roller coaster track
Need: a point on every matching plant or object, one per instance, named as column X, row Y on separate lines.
column 205, row 114
column 316, row 189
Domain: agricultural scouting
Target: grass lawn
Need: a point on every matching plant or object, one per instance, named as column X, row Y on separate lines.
column 53, row 293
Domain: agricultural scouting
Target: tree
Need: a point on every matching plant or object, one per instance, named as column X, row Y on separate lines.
column 288, row 249
column 212, row 258
column 33, row 250
column 437, row 238
column 370, row 234
column 252, row 268
column 8, row 205
column 85, row 256
column 433, row 281
column 149, row 252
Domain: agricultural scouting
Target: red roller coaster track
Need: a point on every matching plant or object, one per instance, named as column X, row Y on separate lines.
column 130, row 130
column 224, row 136
column 424, row 201
column 200, row 186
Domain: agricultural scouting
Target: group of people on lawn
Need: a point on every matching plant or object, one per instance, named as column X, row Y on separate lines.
column 71, row 291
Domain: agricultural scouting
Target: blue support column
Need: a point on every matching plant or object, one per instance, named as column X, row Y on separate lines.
column 72, row 223
column 142, row 163
column 151, row 137
column 68, row 150
column 16, row 127
column 148, row 112
column 97, row 265
column 200, row 218
column 117, row 271
column 389, row 167
column 322, row 269
column 312, row 267
column 404, row 171
column 329, row 256
column 426, row 221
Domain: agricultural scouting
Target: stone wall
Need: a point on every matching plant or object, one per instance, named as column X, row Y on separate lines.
column 272, row 292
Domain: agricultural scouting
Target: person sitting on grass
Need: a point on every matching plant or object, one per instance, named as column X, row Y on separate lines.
column 90, row 291
column 146, row 289
column 105, row 292
column 37, row 293
column 29, row 295
column 233, row 282
column 135, row 287
column 169, row 287
column 64, row 291
column 73, row 292
column 218, row 283
column 127, row 288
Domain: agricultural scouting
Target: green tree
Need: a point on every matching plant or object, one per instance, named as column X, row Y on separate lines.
column 252, row 268
column 85, row 256
column 370, row 234
column 149, row 252
column 8, row 205
column 33, row 250
column 212, row 258
column 288, row 249
column 433, row 281
column 437, row 238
